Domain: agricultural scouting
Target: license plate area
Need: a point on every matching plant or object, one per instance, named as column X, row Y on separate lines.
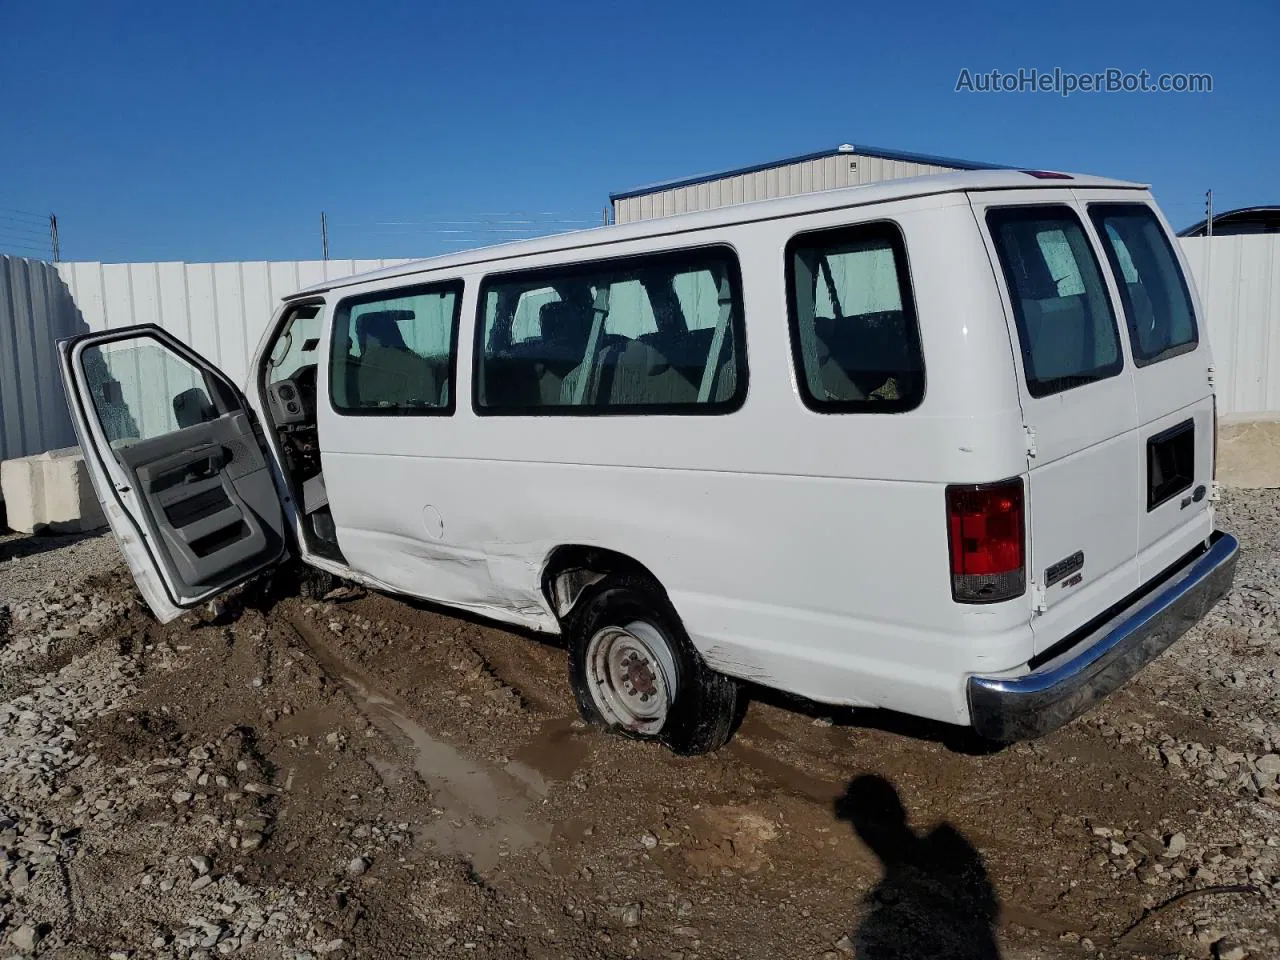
column 1171, row 463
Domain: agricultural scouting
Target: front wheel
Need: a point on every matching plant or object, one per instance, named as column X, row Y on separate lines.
column 635, row 672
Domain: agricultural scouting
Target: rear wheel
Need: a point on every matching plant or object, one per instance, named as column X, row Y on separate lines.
column 634, row 671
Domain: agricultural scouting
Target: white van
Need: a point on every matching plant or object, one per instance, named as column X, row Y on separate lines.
column 942, row 445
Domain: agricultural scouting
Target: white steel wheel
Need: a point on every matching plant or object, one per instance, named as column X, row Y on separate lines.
column 631, row 673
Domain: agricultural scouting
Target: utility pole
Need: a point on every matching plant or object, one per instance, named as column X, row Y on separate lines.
column 324, row 233
column 53, row 238
column 1208, row 212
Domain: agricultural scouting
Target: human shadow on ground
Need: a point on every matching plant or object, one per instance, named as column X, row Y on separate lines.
column 935, row 900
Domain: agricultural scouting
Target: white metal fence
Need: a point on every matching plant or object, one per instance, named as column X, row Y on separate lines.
column 1239, row 283
column 36, row 309
column 221, row 309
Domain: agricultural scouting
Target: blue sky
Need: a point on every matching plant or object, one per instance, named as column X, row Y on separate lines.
column 219, row 131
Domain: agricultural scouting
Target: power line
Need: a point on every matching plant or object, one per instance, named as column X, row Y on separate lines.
column 24, row 231
column 29, row 241
column 38, row 218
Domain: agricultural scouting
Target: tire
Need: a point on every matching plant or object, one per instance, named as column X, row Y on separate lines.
column 634, row 671
column 314, row 584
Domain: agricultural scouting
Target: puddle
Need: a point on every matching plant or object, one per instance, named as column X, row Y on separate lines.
column 486, row 809
column 556, row 752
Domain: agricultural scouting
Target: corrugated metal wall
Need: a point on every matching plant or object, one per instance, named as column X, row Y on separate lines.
column 1239, row 283
column 784, row 180
column 220, row 309
column 35, row 310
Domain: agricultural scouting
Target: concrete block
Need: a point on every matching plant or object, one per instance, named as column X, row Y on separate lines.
column 50, row 492
column 1249, row 454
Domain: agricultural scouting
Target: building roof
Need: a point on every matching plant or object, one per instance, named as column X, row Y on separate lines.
column 1263, row 214
column 857, row 196
column 845, row 148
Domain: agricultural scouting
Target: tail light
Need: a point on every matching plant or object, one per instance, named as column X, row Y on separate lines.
column 987, row 535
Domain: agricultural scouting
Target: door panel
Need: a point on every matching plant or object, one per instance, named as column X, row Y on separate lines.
column 174, row 457
column 1078, row 403
column 1170, row 371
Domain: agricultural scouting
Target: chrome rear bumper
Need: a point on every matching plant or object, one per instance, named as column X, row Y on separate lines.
column 1020, row 708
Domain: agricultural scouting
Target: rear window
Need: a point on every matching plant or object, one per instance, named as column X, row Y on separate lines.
column 1157, row 303
column 1066, row 326
column 853, row 325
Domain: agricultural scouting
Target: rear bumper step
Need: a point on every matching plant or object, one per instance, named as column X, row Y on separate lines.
column 1019, row 708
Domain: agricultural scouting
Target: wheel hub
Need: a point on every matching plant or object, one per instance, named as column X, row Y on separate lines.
column 633, row 676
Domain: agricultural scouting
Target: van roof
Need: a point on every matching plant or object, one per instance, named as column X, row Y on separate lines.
column 881, row 192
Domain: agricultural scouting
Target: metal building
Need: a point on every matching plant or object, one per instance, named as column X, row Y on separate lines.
column 844, row 166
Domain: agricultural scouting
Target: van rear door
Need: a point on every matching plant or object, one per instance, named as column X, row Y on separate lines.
column 1171, row 368
column 1079, row 406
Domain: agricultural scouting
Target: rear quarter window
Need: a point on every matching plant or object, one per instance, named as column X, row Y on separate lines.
column 1153, row 290
column 854, row 336
column 1066, row 326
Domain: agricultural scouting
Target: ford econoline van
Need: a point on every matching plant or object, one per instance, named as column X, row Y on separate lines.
column 941, row 445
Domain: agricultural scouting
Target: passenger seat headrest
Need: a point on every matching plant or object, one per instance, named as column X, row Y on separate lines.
column 565, row 322
column 383, row 328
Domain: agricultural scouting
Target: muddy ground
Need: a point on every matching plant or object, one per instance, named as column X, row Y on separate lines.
column 359, row 776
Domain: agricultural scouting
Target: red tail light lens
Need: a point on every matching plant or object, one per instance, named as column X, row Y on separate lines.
column 987, row 535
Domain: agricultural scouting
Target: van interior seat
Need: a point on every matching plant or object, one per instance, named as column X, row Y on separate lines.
column 687, row 352
column 387, row 371
column 566, row 327
column 1153, row 336
column 644, row 374
column 864, row 352
column 1054, row 326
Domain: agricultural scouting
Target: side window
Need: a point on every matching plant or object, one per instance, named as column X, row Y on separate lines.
column 1157, row 303
column 854, row 334
column 1066, row 327
column 395, row 352
column 657, row 334
column 142, row 390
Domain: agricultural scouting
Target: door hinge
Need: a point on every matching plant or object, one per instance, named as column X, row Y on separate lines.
column 1215, row 491
column 1210, row 372
column 1039, row 604
column 1030, row 436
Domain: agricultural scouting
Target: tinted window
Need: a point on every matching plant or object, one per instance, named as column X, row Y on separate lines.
column 853, row 326
column 394, row 352
column 659, row 334
column 1066, row 326
column 1157, row 304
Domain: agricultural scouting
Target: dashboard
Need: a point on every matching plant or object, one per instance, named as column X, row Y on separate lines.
column 293, row 399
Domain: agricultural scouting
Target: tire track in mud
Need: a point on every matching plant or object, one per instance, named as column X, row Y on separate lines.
column 1028, row 810
column 486, row 811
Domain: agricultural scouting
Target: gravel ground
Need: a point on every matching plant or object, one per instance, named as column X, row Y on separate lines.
column 355, row 775
column 30, row 565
